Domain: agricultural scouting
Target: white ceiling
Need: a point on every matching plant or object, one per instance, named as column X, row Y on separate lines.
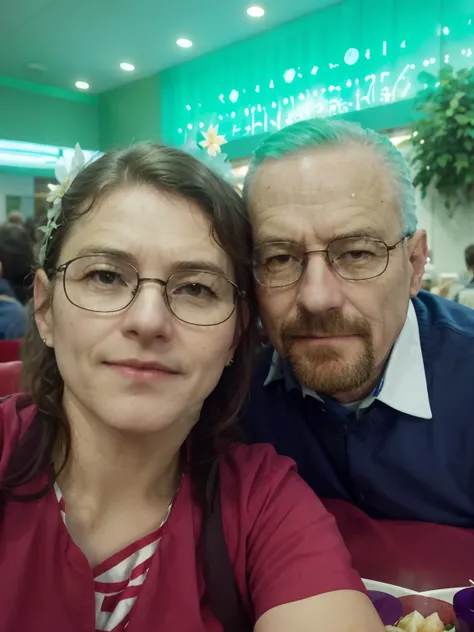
column 87, row 39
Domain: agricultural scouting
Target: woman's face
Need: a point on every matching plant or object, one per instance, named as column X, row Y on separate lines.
column 110, row 362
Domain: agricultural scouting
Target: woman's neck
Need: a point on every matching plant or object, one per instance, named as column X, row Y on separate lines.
column 110, row 466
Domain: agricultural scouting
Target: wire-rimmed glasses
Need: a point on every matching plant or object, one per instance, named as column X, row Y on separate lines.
column 277, row 264
column 107, row 283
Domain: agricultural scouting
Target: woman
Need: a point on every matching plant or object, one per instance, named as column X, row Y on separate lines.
column 137, row 365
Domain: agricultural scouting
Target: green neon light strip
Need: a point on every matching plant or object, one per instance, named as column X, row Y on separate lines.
column 49, row 91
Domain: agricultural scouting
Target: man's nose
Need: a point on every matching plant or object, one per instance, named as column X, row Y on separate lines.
column 320, row 288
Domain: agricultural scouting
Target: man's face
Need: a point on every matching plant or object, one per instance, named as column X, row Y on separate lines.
column 336, row 333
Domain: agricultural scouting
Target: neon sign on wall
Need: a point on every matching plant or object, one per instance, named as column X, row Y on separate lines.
column 350, row 84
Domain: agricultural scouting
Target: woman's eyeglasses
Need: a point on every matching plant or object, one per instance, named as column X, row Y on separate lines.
column 107, row 283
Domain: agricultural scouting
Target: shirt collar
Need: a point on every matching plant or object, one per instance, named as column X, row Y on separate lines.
column 403, row 385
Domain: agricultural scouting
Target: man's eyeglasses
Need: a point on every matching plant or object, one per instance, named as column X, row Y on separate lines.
column 106, row 283
column 278, row 264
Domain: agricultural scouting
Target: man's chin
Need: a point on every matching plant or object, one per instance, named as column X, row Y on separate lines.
column 331, row 374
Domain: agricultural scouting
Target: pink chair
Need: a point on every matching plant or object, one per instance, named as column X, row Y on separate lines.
column 9, row 378
column 10, row 350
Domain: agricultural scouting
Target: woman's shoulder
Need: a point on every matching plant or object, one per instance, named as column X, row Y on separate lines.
column 255, row 461
column 255, row 475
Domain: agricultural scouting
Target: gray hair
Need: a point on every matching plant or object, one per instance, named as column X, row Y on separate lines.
column 321, row 132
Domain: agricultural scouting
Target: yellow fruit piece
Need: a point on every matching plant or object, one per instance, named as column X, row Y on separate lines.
column 411, row 622
column 432, row 624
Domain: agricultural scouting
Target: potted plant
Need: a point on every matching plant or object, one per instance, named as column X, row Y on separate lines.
column 443, row 136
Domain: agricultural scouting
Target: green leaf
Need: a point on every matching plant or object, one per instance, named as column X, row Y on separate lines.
column 462, row 119
column 454, row 104
column 449, row 112
column 444, row 159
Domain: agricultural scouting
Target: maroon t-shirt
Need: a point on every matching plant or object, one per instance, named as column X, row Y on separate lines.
column 283, row 544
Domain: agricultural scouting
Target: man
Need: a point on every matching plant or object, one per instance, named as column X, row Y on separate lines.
column 466, row 295
column 16, row 264
column 368, row 385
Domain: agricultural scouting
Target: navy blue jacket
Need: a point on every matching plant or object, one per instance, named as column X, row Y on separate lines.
column 388, row 463
column 13, row 317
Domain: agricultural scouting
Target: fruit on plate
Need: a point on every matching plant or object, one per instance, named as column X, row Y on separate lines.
column 428, row 605
column 416, row 622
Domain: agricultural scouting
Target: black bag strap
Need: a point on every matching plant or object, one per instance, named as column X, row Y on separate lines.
column 223, row 592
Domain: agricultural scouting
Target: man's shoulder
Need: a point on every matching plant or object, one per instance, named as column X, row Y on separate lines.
column 441, row 318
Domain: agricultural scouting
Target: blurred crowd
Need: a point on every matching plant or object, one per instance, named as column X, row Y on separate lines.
column 451, row 285
column 18, row 246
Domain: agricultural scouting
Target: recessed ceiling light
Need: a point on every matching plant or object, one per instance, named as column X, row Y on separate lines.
column 82, row 85
column 255, row 12
column 184, row 43
column 127, row 67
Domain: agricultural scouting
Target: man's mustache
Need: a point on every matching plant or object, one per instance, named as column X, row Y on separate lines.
column 306, row 325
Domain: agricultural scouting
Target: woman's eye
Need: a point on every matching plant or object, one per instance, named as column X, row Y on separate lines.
column 196, row 290
column 105, row 277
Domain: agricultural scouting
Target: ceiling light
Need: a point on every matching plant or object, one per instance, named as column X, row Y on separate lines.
column 255, row 12
column 82, row 85
column 127, row 67
column 184, row 43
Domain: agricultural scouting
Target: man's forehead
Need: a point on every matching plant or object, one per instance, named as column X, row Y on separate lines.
column 322, row 175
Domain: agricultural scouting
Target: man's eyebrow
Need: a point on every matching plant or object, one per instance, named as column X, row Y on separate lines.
column 350, row 234
column 361, row 233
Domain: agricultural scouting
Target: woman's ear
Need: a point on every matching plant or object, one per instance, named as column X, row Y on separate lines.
column 43, row 311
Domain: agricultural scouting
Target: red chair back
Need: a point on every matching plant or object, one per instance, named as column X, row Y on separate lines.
column 9, row 378
column 10, row 350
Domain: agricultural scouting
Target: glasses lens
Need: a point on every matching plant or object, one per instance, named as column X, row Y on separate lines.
column 278, row 264
column 358, row 258
column 100, row 283
column 201, row 298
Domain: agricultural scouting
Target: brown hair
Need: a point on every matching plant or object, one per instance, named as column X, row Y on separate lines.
column 177, row 173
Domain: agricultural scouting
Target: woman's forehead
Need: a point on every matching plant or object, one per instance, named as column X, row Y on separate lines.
column 148, row 225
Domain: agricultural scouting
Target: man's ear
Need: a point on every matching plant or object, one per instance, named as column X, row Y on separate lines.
column 418, row 253
column 43, row 311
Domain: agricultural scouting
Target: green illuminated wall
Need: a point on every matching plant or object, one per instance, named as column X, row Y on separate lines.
column 130, row 113
column 359, row 59
column 40, row 114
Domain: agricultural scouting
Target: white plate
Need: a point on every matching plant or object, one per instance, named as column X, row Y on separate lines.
column 445, row 594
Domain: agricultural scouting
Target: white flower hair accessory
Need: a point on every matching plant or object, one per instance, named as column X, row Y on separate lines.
column 213, row 157
column 65, row 175
column 213, row 141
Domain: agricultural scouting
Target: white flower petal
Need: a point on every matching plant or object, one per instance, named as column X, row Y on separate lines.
column 61, row 170
column 78, row 161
